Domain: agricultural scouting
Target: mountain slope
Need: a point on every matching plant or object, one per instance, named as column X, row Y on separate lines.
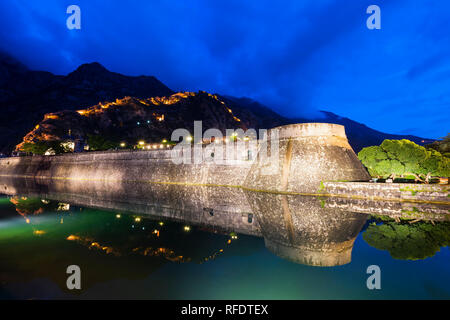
column 132, row 119
column 358, row 134
column 262, row 116
column 25, row 96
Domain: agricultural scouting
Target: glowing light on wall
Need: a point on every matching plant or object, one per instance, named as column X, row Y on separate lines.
column 51, row 116
column 69, row 145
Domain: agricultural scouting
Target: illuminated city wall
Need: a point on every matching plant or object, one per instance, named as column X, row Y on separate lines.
column 307, row 154
column 310, row 159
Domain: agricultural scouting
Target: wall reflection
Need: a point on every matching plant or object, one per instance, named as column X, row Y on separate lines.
column 307, row 230
column 302, row 231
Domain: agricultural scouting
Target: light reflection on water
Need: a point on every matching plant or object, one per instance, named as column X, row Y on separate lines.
column 187, row 244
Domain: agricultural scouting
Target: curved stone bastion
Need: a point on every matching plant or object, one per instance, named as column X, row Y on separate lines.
column 309, row 153
column 294, row 158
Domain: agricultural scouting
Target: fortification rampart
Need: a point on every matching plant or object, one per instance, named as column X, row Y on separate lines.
column 117, row 166
column 407, row 192
column 309, row 159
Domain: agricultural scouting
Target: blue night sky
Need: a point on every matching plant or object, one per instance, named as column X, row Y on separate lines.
column 296, row 57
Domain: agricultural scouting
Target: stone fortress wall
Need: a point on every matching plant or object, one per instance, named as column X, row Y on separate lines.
column 312, row 159
column 130, row 165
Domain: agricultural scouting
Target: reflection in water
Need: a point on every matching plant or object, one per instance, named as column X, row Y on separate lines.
column 303, row 231
column 104, row 244
column 147, row 226
column 296, row 228
column 306, row 230
column 408, row 241
column 33, row 206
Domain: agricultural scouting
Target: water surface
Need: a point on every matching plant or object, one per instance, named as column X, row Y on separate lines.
column 198, row 243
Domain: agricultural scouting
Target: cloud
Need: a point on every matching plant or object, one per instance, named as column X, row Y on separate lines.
column 297, row 56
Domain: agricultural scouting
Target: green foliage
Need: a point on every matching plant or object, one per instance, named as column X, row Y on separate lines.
column 40, row 147
column 403, row 157
column 321, row 186
column 442, row 146
column 99, row 143
column 371, row 157
column 408, row 241
column 322, row 204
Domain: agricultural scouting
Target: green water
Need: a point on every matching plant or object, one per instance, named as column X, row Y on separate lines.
column 145, row 257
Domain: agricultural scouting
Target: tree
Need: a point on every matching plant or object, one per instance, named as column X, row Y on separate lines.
column 41, row 147
column 99, row 143
column 404, row 158
column 442, row 146
column 406, row 241
column 371, row 158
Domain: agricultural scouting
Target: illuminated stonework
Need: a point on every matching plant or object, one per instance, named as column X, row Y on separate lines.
column 309, row 153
